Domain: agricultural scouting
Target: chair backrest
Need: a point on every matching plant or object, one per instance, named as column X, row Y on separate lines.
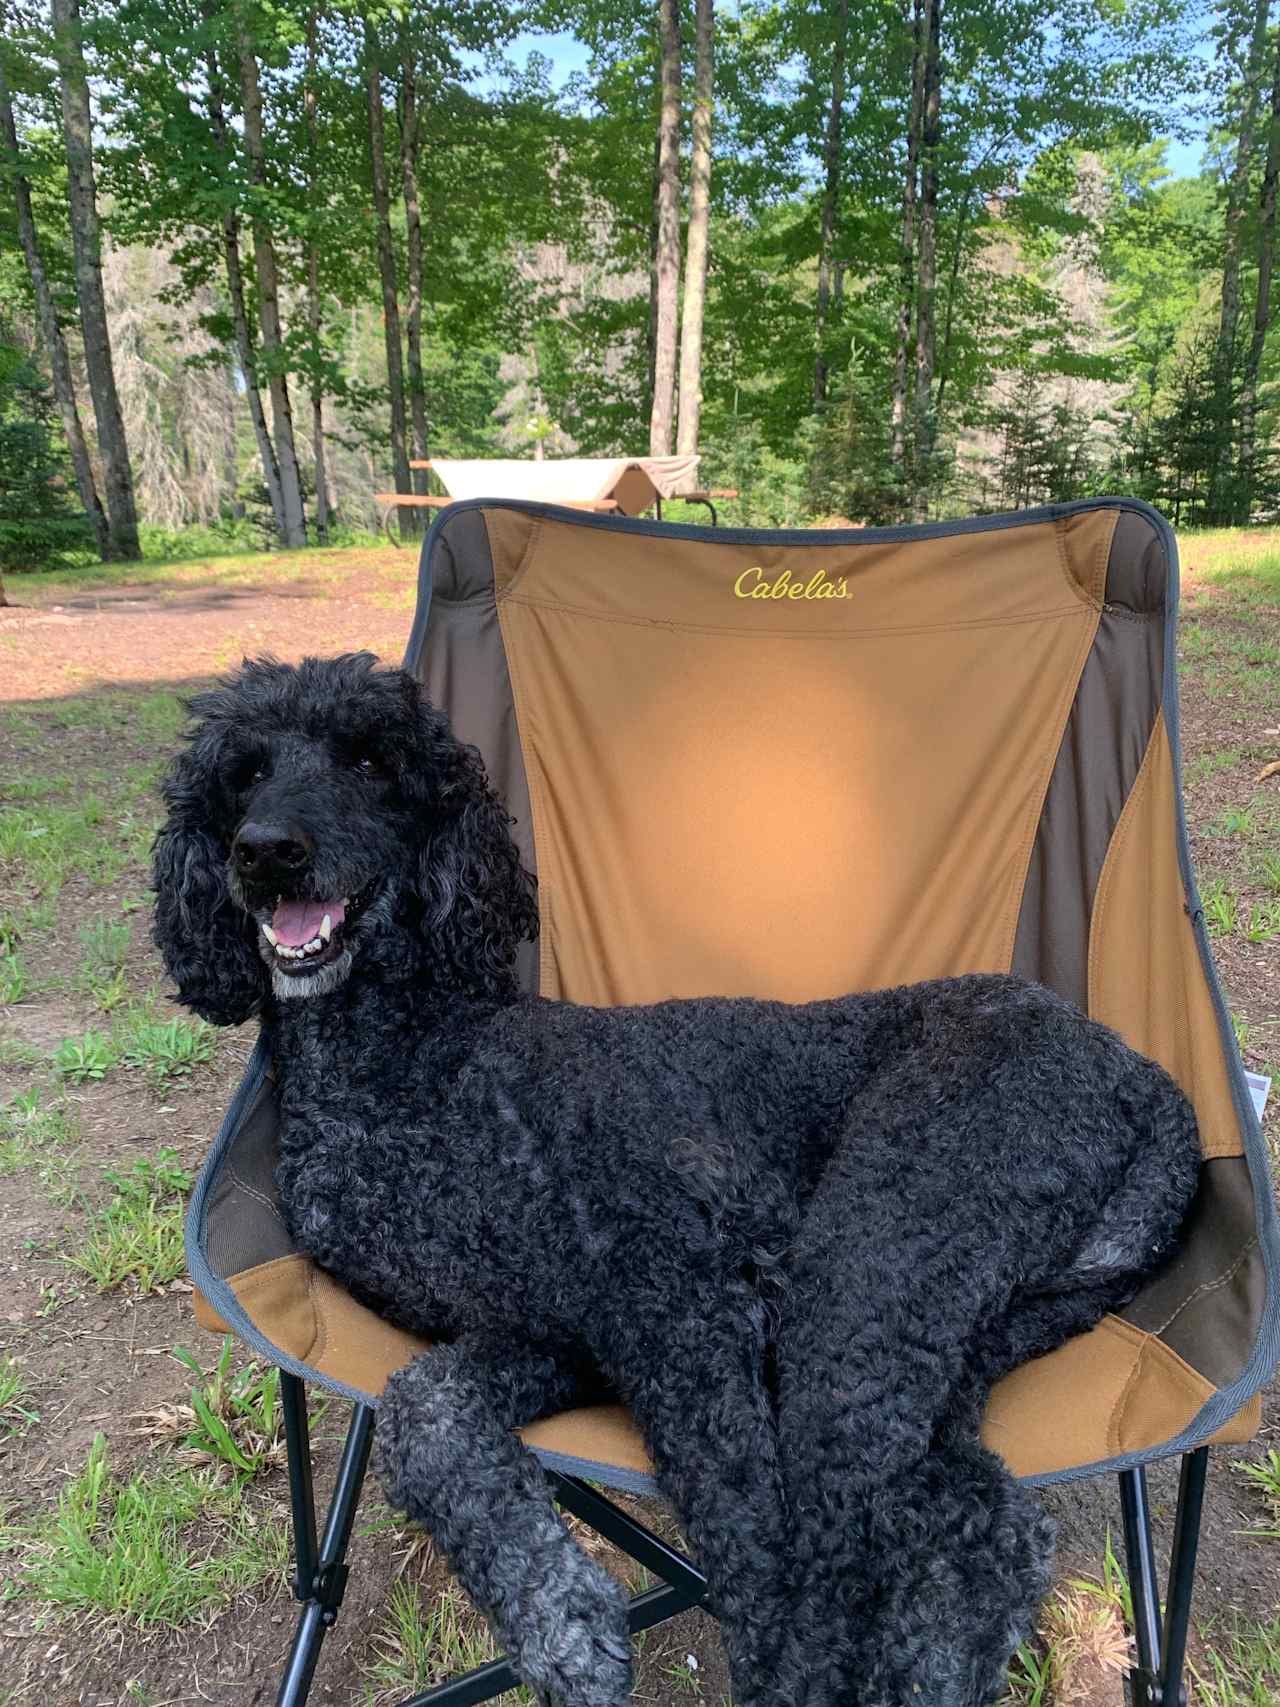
column 796, row 764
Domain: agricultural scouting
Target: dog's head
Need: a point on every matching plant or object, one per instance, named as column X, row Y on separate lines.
column 323, row 819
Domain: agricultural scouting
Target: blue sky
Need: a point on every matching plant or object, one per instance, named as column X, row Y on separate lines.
column 568, row 55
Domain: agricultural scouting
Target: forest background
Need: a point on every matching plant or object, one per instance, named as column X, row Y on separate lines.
column 873, row 259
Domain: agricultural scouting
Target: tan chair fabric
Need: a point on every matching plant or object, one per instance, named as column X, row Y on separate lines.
column 795, row 765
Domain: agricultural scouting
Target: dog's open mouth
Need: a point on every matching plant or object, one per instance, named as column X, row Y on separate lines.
column 305, row 935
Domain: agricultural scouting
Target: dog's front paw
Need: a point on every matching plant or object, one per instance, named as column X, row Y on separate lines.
column 573, row 1648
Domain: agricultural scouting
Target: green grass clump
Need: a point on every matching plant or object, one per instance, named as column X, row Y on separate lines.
column 1265, row 1477
column 1221, row 909
column 82, row 1059
column 165, row 1049
column 1241, row 1667
column 159, row 1549
column 137, row 1237
column 16, row 1415
column 235, row 1417
column 34, row 1133
column 416, row 1646
column 13, row 978
column 105, row 943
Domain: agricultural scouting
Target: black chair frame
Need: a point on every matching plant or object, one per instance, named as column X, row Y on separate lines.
column 320, row 1574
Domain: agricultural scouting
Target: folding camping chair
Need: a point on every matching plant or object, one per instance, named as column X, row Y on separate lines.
column 791, row 765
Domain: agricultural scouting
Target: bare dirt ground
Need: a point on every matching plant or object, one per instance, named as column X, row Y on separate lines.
column 88, row 678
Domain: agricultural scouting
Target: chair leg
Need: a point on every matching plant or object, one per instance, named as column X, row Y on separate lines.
column 1161, row 1642
column 321, row 1575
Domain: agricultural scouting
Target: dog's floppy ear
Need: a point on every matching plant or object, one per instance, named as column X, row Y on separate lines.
column 479, row 899
column 204, row 939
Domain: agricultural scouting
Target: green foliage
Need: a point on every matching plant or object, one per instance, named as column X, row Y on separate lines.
column 161, row 1548
column 137, row 1236
column 40, row 528
column 82, row 1059
column 165, row 1049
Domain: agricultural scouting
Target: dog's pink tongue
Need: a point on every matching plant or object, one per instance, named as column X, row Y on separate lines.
column 296, row 922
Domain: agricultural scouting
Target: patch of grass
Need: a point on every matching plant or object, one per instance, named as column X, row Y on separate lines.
column 1265, row 1478
column 234, row 1418
column 1241, row 1667
column 1221, row 909
column 1235, row 821
column 15, row 1053
column 86, row 1058
column 105, row 943
column 34, row 1134
column 137, row 1237
column 13, row 978
column 1263, row 921
column 16, row 1415
column 159, row 1549
column 164, row 1050
column 1030, row 1678
column 1204, row 765
column 416, row 1646
column 1268, row 870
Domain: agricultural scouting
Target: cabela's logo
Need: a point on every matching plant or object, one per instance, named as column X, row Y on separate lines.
column 754, row 584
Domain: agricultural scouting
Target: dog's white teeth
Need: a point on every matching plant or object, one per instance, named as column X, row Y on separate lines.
column 270, row 935
column 326, row 928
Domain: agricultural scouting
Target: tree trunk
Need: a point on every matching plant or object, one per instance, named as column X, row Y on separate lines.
column 667, row 258
column 410, row 141
column 239, row 309
column 313, row 294
column 927, row 278
column 387, row 273
column 1261, row 306
column 55, row 345
column 907, row 250
column 86, row 239
column 695, row 269
column 1219, row 502
column 264, row 258
column 651, row 329
column 830, row 203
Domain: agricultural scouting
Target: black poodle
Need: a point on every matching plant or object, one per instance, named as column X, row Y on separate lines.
column 801, row 1242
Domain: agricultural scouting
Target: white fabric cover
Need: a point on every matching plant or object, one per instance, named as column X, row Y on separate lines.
column 570, row 479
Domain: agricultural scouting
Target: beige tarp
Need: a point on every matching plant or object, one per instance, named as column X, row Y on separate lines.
column 633, row 482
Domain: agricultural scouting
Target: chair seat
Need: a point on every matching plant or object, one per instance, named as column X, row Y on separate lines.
column 1140, row 1389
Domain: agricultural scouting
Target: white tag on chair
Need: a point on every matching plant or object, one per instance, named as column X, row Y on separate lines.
column 1259, row 1087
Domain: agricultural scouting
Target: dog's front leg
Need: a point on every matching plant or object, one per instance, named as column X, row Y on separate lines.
column 447, row 1457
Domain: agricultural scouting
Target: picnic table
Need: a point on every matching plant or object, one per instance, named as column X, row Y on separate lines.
column 607, row 485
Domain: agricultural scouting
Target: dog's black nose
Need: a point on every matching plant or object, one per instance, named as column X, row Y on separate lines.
column 270, row 852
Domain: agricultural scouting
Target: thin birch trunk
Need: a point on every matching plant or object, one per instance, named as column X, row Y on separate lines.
column 387, row 274
column 697, row 243
column 245, row 350
column 1261, row 305
column 923, row 434
column 55, row 345
column 830, row 204
column 907, row 250
column 667, row 258
column 1219, row 505
column 264, row 258
column 410, row 142
column 313, row 294
column 86, row 239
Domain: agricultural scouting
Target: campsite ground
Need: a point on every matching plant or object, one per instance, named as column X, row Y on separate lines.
column 137, row 1565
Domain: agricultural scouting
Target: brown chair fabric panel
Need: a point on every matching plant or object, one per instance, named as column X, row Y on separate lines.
column 463, row 667
column 1140, row 1391
column 711, row 817
column 1207, row 1303
column 1145, row 975
column 1102, row 748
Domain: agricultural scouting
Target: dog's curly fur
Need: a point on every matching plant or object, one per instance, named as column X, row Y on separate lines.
column 801, row 1242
